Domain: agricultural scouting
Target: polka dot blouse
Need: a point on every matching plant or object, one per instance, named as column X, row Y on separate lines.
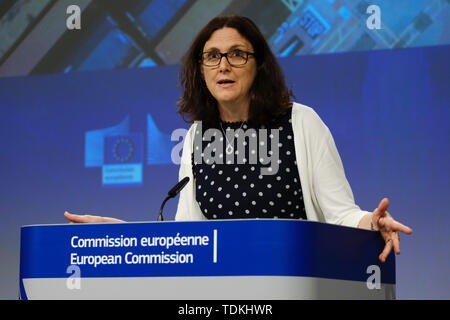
column 248, row 176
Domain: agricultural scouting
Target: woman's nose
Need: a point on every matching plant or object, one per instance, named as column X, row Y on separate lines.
column 224, row 65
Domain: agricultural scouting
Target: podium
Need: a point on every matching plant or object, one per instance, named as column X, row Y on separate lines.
column 204, row 260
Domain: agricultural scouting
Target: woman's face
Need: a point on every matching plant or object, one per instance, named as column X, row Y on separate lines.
column 240, row 78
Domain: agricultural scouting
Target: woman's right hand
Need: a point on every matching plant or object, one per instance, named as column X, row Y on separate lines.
column 77, row 218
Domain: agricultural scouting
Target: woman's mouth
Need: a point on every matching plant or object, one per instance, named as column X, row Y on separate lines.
column 225, row 83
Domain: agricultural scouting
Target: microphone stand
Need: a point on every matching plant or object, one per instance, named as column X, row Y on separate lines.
column 171, row 194
column 160, row 217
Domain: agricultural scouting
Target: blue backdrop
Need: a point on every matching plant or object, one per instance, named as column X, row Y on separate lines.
column 388, row 112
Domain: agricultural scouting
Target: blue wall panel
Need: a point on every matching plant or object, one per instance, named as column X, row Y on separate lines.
column 388, row 111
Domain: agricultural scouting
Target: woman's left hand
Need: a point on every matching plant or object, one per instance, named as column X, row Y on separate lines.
column 389, row 229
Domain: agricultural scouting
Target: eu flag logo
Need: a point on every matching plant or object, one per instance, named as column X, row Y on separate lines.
column 123, row 160
column 124, row 149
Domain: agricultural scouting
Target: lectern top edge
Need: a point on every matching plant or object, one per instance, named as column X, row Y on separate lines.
column 188, row 221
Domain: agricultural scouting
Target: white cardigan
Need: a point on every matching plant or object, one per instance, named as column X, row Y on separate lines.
column 326, row 192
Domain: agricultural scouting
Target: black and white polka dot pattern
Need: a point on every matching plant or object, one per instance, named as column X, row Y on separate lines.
column 240, row 191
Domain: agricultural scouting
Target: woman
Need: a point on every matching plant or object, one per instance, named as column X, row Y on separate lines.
column 233, row 84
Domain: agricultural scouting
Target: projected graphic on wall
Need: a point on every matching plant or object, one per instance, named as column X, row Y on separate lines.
column 120, row 152
column 123, row 160
column 159, row 145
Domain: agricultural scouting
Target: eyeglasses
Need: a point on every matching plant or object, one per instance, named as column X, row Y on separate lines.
column 234, row 58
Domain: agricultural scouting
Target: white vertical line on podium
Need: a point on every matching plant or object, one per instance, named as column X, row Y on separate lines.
column 215, row 246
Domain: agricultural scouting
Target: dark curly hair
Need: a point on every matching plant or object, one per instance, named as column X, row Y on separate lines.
column 269, row 96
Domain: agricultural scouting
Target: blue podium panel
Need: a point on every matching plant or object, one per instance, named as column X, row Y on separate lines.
column 232, row 259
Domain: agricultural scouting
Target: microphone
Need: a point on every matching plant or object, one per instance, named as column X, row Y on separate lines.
column 171, row 194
